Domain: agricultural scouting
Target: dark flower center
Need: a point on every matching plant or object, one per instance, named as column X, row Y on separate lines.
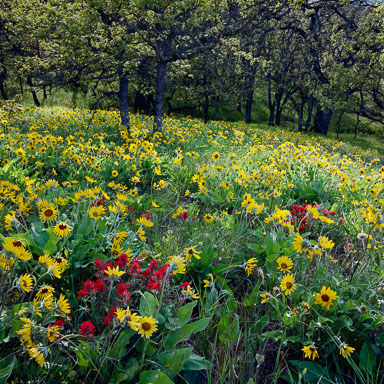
column 284, row 266
column 146, row 326
column 325, row 298
column 48, row 212
column 62, row 227
column 288, row 285
column 17, row 243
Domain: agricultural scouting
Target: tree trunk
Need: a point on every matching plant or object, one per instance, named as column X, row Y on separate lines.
column 322, row 120
column 249, row 99
column 2, row 87
column 309, row 117
column 206, row 108
column 278, row 109
column 123, row 99
column 35, row 99
column 271, row 105
column 44, row 92
column 161, row 73
column 339, row 122
column 356, row 125
column 300, row 117
column 21, row 85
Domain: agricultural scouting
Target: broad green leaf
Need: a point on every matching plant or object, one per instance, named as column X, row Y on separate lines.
column 184, row 333
column 184, row 314
column 6, row 369
column 367, row 359
column 154, row 377
column 148, row 305
column 172, row 362
column 196, row 363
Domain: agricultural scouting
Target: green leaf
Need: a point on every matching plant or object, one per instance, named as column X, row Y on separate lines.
column 118, row 350
column 172, row 362
column 185, row 313
column 7, row 370
column 367, row 359
column 154, row 377
column 148, row 305
column 127, row 374
column 229, row 329
column 253, row 296
column 196, row 363
column 184, row 333
column 314, row 372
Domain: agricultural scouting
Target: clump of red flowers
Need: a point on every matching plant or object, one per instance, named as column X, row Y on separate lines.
column 303, row 222
column 87, row 329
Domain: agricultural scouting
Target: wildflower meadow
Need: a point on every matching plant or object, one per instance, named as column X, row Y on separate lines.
column 205, row 253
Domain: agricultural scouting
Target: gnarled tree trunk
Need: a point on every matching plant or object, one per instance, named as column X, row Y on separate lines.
column 123, row 99
column 322, row 120
column 161, row 74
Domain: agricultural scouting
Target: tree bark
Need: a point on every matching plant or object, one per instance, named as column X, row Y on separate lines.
column 271, row 105
column 249, row 99
column 339, row 122
column 322, row 120
column 161, row 73
column 21, row 85
column 278, row 109
column 123, row 99
column 206, row 108
column 34, row 95
column 309, row 117
column 2, row 87
column 356, row 125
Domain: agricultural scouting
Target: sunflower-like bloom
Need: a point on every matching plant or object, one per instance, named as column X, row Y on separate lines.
column 61, row 262
column 285, row 264
column 310, row 352
column 346, row 350
column 208, row 218
column 48, row 213
column 6, row 263
column 250, row 265
column 147, row 326
column 287, row 284
column 37, row 354
column 209, row 283
column 144, row 222
column 44, row 292
column 298, row 244
column 96, row 212
column 25, row 332
column 265, row 297
column 63, row 304
column 131, row 318
column 190, row 293
column 325, row 243
column 62, row 229
column 177, row 264
column 26, row 282
column 314, row 211
column 120, row 237
column 326, row 297
column 114, row 272
column 141, row 234
column 191, row 252
column 53, row 333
